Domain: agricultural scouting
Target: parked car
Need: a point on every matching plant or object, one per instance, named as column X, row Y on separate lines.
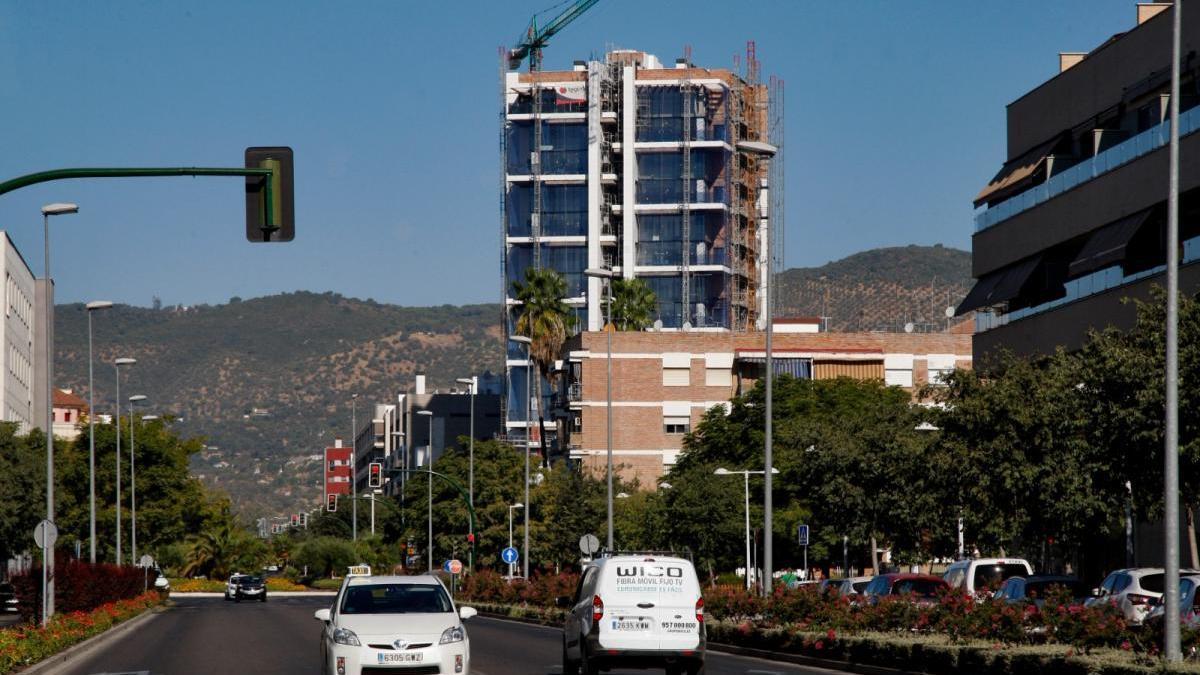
column 922, row 588
column 250, row 588
column 1189, row 604
column 393, row 624
column 635, row 611
column 1134, row 591
column 981, row 577
column 853, row 586
column 8, row 598
column 1035, row 588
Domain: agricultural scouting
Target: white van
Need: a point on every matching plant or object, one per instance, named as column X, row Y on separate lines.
column 635, row 611
column 982, row 576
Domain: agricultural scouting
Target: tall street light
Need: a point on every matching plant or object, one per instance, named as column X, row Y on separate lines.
column 512, row 566
column 429, row 461
column 48, row 551
column 354, row 466
column 133, row 556
column 92, row 307
column 1171, row 646
column 522, row 340
column 470, row 382
column 746, row 477
column 117, row 423
column 607, row 275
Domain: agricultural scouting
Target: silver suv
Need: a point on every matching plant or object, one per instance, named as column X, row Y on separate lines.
column 1134, row 591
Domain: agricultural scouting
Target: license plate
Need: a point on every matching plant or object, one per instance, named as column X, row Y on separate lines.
column 401, row 657
column 630, row 625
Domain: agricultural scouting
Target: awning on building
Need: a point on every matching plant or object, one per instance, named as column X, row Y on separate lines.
column 1106, row 246
column 999, row 286
column 798, row 368
column 1016, row 174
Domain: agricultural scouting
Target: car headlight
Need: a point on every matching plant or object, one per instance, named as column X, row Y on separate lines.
column 346, row 637
column 452, row 634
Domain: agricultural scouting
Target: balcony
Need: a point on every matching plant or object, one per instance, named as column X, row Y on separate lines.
column 670, row 253
column 1143, row 144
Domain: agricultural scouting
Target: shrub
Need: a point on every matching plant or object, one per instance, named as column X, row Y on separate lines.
column 78, row 586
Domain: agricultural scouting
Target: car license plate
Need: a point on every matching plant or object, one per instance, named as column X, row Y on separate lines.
column 631, row 625
column 401, row 657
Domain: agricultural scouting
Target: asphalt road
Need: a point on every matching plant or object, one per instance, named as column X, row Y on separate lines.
column 201, row 636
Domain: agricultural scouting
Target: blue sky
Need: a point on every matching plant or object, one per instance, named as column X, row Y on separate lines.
column 895, row 119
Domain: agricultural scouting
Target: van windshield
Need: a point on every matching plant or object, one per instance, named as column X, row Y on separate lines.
column 989, row 577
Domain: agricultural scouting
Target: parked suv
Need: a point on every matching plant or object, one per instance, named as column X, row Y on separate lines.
column 635, row 611
column 981, row 577
column 1134, row 591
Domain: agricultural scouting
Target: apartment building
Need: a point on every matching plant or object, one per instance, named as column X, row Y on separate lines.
column 18, row 402
column 656, row 172
column 1075, row 220
column 663, row 383
column 337, row 468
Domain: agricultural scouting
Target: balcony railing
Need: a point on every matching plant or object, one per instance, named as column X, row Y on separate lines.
column 1144, row 143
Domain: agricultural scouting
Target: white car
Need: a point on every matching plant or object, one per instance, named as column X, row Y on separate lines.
column 635, row 611
column 981, row 577
column 231, row 586
column 852, row 586
column 1134, row 591
column 385, row 623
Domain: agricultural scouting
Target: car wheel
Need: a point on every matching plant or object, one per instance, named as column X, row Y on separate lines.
column 227, row 598
column 586, row 665
column 237, row 598
column 569, row 667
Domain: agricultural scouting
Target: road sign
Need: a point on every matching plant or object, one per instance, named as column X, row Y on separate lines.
column 45, row 534
column 589, row 544
column 452, row 567
column 803, row 535
column 510, row 555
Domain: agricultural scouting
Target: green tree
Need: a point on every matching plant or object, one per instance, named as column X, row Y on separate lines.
column 633, row 304
column 325, row 555
column 22, row 488
column 547, row 321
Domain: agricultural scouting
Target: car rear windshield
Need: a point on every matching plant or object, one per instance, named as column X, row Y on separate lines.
column 859, row 586
column 396, row 599
column 1152, row 582
column 925, row 588
column 1039, row 589
column 989, row 577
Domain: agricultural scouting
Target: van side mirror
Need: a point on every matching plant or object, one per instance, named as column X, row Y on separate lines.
column 321, row 615
column 467, row 612
column 562, row 602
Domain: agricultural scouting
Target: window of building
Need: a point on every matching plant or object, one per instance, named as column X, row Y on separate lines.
column 677, row 425
column 940, row 366
column 677, row 369
column 718, row 369
column 898, row 370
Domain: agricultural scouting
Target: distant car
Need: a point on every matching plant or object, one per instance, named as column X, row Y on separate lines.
column 8, row 598
column 250, row 588
column 1035, row 589
column 981, row 577
column 231, row 585
column 1134, row 591
column 853, row 586
column 921, row 588
column 1189, row 604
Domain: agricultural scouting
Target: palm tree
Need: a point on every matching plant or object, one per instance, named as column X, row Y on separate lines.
column 633, row 304
column 547, row 321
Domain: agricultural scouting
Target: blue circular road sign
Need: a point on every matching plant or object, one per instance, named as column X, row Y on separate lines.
column 510, row 555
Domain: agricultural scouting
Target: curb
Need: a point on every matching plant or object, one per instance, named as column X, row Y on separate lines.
column 778, row 657
column 52, row 663
column 273, row 594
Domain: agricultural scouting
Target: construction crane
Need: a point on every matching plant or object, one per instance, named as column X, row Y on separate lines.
column 535, row 38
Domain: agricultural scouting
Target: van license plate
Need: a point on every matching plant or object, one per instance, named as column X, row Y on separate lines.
column 402, row 657
column 630, row 625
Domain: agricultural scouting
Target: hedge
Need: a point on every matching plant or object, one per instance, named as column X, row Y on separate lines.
column 78, row 587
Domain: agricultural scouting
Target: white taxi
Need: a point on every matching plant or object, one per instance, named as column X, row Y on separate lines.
column 385, row 624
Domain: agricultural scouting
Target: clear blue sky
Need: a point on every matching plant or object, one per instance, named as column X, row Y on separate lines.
column 895, row 119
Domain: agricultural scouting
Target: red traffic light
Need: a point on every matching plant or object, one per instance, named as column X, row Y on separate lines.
column 375, row 477
column 471, row 538
column 331, row 504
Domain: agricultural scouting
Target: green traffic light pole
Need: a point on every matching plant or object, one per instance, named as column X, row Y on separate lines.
column 466, row 500
column 63, row 174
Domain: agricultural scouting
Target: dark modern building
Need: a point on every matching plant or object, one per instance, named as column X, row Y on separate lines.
column 1075, row 220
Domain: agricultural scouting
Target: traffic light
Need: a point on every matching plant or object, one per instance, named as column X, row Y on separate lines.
column 281, row 225
column 295, row 519
column 471, row 538
column 331, row 504
column 375, row 478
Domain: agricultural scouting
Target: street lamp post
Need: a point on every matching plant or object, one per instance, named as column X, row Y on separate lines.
column 91, row 307
column 354, row 466
column 429, row 460
column 522, row 340
column 607, row 276
column 117, row 424
column 48, row 551
column 470, row 382
column 1171, row 630
column 512, row 566
column 746, row 478
column 133, row 556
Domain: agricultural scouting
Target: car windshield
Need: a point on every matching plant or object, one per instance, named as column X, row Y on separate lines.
column 396, row 599
column 858, row 586
column 250, row 580
column 989, row 577
column 926, row 588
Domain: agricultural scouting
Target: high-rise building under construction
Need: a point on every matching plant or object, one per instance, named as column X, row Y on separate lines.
column 656, row 172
